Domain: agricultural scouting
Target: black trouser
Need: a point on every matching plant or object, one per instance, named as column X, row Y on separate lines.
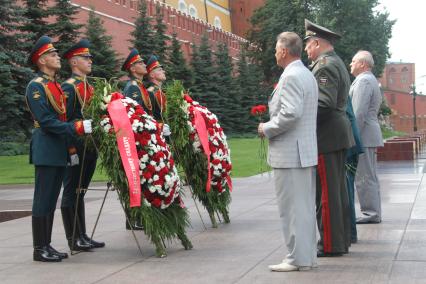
column 72, row 177
column 48, row 181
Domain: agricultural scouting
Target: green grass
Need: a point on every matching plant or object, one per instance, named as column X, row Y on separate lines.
column 386, row 133
column 244, row 155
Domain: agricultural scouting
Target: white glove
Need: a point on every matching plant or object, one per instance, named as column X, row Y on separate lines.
column 166, row 130
column 74, row 160
column 87, row 125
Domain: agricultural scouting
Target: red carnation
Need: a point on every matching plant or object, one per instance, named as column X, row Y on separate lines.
column 216, row 162
column 156, row 202
column 211, row 131
column 147, row 175
column 187, row 98
column 116, row 96
column 258, row 110
column 150, row 168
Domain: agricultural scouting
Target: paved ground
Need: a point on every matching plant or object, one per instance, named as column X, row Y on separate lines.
column 391, row 252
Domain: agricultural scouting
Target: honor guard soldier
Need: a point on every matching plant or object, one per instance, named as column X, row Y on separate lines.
column 135, row 88
column 79, row 94
column 49, row 144
column 334, row 137
column 156, row 77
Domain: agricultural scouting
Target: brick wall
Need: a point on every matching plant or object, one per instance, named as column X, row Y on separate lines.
column 119, row 15
column 241, row 12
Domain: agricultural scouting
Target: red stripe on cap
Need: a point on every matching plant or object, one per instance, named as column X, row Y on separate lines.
column 131, row 61
column 152, row 66
column 76, row 52
column 42, row 50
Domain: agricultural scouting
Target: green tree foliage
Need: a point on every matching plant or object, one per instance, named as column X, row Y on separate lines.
column 361, row 27
column 228, row 101
column 14, row 117
column 204, row 87
column 36, row 13
column 249, row 92
column 105, row 63
column 143, row 34
column 269, row 21
column 64, row 29
column 176, row 67
column 160, row 38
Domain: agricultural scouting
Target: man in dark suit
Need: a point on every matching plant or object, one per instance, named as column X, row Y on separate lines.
column 334, row 136
column 79, row 93
column 49, row 147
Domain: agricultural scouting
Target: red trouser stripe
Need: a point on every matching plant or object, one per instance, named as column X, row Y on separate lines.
column 325, row 211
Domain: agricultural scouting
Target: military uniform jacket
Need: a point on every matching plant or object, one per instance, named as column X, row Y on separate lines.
column 333, row 127
column 47, row 104
column 136, row 90
column 159, row 101
column 79, row 94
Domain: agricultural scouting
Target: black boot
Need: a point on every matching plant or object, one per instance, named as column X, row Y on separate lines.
column 137, row 226
column 68, row 218
column 50, row 219
column 40, row 238
column 81, row 213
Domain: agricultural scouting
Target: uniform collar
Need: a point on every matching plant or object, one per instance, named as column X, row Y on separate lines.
column 321, row 57
column 45, row 76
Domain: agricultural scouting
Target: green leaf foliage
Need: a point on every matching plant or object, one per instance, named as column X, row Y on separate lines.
column 177, row 68
column 105, row 62
column 143, row 34
column 15, row 119
column 64, row 29
column 193, row 164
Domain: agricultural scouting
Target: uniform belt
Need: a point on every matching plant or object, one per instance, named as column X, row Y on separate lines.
column 36, row 124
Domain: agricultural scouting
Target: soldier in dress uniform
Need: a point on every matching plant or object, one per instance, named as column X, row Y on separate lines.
column 135, row 89
column 49, row 144
column 79, row 93
column 156, row 77
column 334, row 136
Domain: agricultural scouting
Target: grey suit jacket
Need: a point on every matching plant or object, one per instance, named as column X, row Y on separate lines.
column 366, row 100
column 293, row 119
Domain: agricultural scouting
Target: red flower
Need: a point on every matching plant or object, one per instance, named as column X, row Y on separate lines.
column 211, row 131
column 216, row 162
column 116, row 96
column 147, row 175
column 187, row 98
column 156, row 202
column 258, row 110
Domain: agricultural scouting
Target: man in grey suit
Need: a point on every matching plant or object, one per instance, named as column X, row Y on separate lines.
column 293, row 153
column 366, row 100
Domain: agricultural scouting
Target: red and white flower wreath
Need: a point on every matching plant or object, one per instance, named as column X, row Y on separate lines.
column 220, row 158
column 160, row 181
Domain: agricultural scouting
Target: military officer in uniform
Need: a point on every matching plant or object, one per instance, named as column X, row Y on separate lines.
column 49, row 147
column 135, row 89
column 79, row 93
column 334, row 136
column 156, row 77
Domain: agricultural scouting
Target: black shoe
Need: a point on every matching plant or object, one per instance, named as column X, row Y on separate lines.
column 92, row 243
column 53, row 251
column 320, row 253
column 136, row 226
column 43, row 254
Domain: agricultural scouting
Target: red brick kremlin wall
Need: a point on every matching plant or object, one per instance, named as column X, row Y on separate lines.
column 241, row 12
column 119, row 16
column 396, row 81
